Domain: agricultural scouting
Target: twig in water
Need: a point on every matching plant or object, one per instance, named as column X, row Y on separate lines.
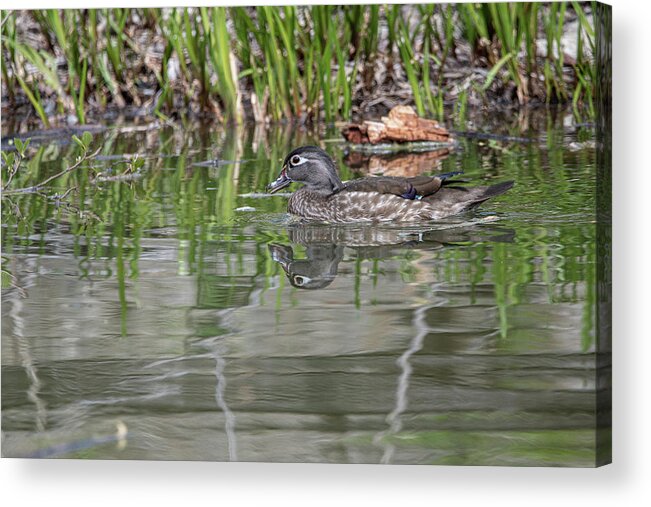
column 36, row 187
column 13, row 170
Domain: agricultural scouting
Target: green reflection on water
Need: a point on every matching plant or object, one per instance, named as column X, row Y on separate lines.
column 516, row 286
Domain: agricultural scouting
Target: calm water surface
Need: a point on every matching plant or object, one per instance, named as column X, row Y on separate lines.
column 184, row 315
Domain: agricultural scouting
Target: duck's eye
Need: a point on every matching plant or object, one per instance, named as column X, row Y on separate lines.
column 299, row 280
column 296, row 160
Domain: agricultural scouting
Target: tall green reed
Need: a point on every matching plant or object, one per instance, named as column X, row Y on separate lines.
column 280, row 63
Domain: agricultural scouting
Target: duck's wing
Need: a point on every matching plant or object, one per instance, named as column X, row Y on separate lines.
column 455, row 199
column 407, row 188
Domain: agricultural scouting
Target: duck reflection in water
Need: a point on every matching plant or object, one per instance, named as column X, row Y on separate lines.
column 325, row 244
column 317, row 271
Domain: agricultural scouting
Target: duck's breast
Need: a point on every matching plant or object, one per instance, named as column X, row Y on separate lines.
column 311, row 205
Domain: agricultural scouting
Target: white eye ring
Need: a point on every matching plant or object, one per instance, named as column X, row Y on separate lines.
column 301, row 280
column 297, row 160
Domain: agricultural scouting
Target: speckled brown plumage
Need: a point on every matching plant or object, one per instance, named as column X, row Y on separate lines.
column 324, row 197
column 348, row 206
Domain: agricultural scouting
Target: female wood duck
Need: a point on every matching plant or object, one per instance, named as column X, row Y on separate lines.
column 326, row 198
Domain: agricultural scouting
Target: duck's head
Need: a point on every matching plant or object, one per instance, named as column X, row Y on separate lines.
column 309, row 165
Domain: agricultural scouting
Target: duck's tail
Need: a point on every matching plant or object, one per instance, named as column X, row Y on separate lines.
column 450, row 200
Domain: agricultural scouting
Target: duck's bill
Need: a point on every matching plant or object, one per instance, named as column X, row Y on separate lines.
column 281, row 182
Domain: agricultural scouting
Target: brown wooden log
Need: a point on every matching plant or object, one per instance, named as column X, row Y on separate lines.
column 401, row 125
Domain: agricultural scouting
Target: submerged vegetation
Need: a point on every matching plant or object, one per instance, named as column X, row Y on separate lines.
column 292, row 62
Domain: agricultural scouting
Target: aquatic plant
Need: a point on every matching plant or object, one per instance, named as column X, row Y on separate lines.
column 306, row 63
